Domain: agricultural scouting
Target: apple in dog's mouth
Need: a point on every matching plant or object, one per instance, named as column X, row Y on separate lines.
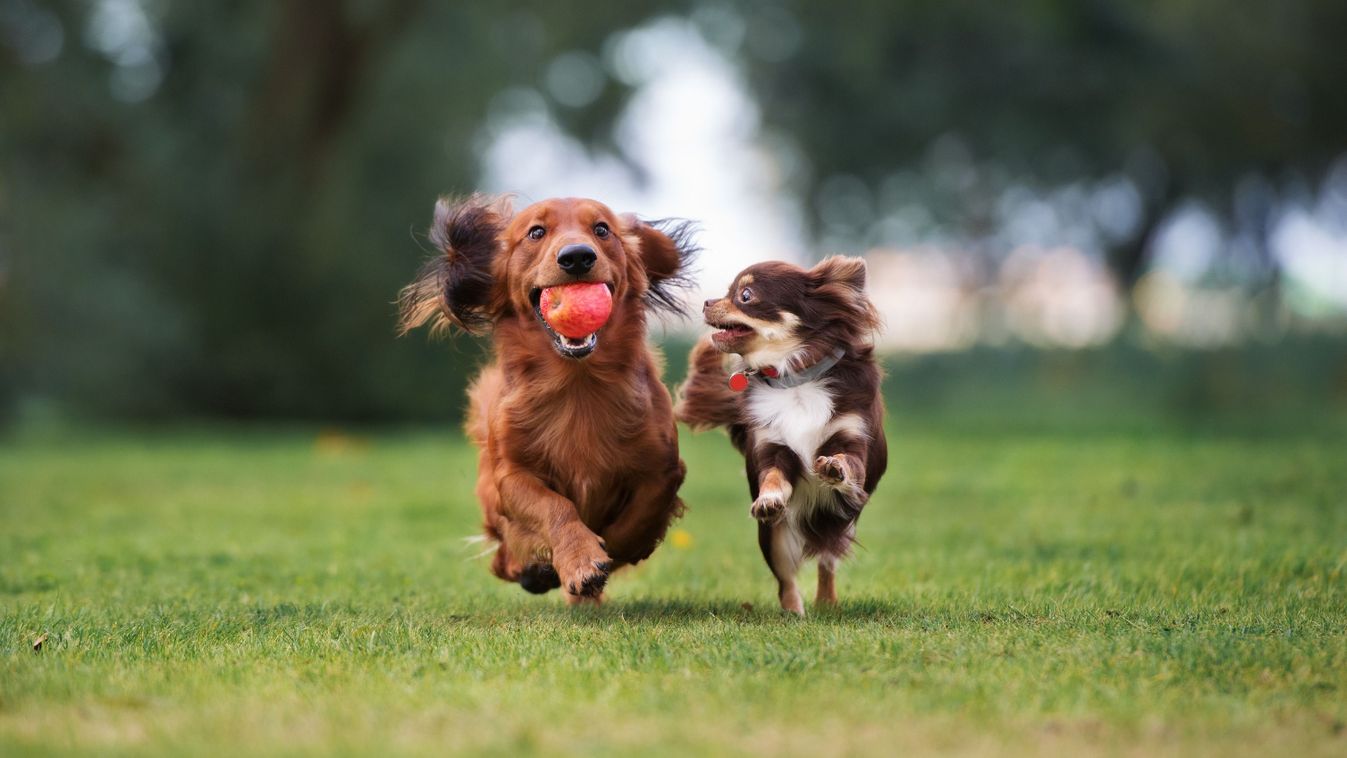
column 573, row 314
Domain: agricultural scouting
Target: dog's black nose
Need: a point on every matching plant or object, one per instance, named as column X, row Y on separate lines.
column 576, row 259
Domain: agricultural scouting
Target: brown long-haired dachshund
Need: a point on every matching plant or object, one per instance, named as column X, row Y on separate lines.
column 578, row 471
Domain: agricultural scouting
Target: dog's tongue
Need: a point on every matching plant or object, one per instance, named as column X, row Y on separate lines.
column 577, row 310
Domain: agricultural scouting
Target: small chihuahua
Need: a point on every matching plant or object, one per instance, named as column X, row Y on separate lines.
column 791, row 373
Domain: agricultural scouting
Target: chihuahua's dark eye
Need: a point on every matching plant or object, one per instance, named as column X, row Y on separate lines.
column 601, row 230
column 745, row 295
column 536, row 233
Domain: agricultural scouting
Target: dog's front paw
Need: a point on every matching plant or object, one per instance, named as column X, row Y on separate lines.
column 589, row 581
column 539, row 578
column 769, row 507
column 844, row 475
column 831, row 469
column 582, row 564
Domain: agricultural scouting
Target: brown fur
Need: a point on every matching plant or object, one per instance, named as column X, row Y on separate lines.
column 578, row 466
column 780, row 317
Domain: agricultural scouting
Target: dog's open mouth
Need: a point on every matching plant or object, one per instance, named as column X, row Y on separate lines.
column 567, row 347
column 729, row 332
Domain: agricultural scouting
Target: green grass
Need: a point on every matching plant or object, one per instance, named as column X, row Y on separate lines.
column 247, row 591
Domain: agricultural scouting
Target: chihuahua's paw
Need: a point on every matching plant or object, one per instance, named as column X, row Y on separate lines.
column 769, row 507
column 831, row 469
column 844, row 475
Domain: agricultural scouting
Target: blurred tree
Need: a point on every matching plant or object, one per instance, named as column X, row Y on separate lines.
column 210, row 208
column 1187, row 99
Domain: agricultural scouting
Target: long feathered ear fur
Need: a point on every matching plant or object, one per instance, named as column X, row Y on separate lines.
column 841, row 280
column 667, row 252
column 456, row 287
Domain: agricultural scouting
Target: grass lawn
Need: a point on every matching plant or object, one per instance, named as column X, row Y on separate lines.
column 254, row 591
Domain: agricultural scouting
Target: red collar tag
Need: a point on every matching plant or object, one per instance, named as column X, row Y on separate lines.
column 738, row 381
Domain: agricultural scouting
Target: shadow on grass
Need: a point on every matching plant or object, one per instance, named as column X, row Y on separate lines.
column 874, row 611
column 867, row 610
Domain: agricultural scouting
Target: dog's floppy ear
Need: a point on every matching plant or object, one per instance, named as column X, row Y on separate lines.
column 666, row 250
column 456, row 287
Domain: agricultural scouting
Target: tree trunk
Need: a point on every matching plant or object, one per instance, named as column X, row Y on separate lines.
column 317, row 63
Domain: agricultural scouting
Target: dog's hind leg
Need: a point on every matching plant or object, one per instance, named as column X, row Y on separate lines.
column 831, row 549
column 827, row 580
column 772, row 471
column 783, row 547
column 640, row 525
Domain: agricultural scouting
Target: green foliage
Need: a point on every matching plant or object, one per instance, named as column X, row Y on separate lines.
column 1215, row 93
column 1258, row 387
column 1186, row 99
column 1071, row 590
column 1297, row 383
column 233, row 245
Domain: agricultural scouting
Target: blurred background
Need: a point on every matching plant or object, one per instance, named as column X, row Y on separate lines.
column 1130, row 208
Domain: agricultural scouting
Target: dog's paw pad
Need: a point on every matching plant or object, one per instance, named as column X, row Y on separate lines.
column 539, row 578
column 830, row 468
column 590, row 583
column 768, row 508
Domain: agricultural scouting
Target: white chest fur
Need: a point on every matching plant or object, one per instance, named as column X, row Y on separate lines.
column 797, row 417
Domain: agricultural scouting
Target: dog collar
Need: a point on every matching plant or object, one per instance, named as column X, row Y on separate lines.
column 773, row 378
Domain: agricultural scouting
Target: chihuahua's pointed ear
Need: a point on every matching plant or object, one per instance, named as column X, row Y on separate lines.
column 841, row 280
column 456, row 287
column 666, row 250
column 840, row 271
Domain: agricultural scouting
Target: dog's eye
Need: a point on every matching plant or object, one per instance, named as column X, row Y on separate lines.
column 745, row 295
column 601, row 230
column 536, row 233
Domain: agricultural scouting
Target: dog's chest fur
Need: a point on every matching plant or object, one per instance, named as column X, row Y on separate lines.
column 799, row 418
column 796, row 417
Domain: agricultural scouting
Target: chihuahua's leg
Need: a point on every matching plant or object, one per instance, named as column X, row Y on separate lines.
column 827, row 580
column 577, row 553
column 778, row 469
column 840, row 465
column 783, row 547
column 828, row 559
column 774, row 491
